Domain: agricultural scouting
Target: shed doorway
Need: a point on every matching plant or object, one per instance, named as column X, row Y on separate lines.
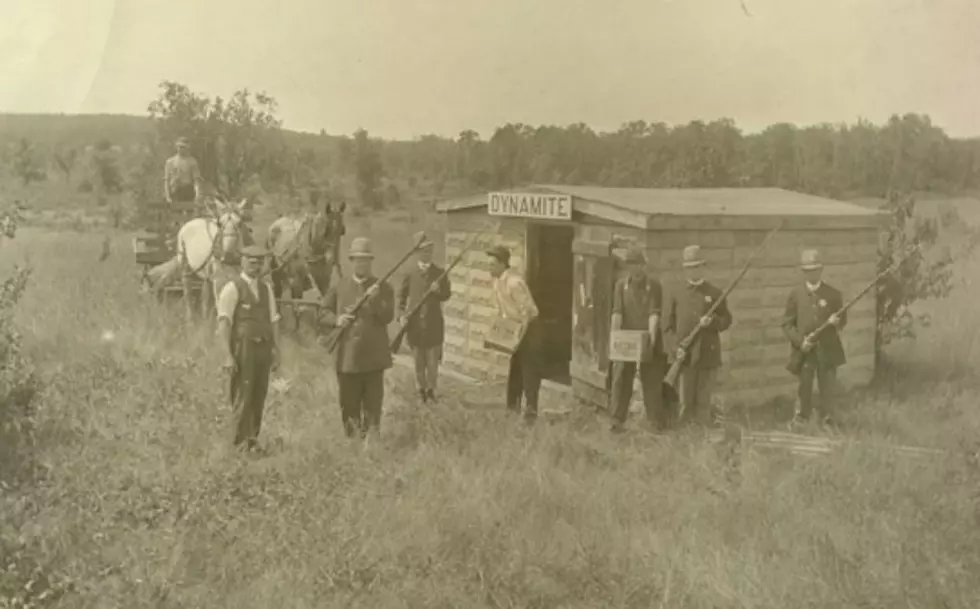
column 551, row 276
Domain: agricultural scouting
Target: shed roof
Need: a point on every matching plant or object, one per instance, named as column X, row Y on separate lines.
column 693, row 201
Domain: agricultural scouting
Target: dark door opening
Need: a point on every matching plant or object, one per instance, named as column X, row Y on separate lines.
column 551, row 279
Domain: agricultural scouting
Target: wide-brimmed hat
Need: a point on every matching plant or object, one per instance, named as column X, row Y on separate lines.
column 421, row 237
column 692, row 257
column 254, row 251
column 360, row 247
column 810, row 260
column 183, row 141
column 499, row 252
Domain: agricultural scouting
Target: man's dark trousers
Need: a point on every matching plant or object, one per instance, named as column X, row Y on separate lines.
column 524, row 376
column 361, row 397
column 651, row 380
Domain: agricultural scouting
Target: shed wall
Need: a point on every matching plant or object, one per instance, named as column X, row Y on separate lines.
column 471, row 309
column 754, row 371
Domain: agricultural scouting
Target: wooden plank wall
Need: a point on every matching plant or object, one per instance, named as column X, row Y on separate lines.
column 754, row 348
column 471, row 310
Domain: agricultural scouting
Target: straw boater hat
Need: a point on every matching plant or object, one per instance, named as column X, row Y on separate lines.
column 810, row 260
column 692, row 257
column 254, row 251
column 420, row 236
column 360, row 247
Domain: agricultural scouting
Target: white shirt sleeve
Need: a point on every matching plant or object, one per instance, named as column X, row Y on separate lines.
column 273, row 306
column 227, row 301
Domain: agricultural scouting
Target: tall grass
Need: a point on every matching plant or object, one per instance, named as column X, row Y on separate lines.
column 139, row 504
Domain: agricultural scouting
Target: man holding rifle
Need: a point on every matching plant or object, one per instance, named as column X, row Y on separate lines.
column 426, row 288
column 810, row 305
column 362, row 353
column 686, row 308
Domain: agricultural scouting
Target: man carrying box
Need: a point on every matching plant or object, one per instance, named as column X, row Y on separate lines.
column 515, row 303
column 636, row 306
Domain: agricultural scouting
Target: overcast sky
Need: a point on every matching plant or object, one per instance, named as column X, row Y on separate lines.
column 403, row 68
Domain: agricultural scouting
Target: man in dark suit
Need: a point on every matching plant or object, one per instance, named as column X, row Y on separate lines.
column 809, row 305
column 427, row 329
column 363, row 353
column 686, row 308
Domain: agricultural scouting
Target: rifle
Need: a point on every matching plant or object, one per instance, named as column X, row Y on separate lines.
column 675, row 369
column 331, row 342
column 798, row 357
column 396, row 343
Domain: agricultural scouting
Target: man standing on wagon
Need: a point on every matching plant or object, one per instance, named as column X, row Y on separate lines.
column 363, row 353
column 181, row 176
column 687, row 308
column 808, row 306
column 427, row 330
column 637, row 301
column 514, row 302
column 248, row 325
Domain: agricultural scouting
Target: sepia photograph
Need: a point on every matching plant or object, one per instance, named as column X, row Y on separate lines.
column 547, row 304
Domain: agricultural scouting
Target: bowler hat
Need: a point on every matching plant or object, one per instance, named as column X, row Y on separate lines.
column 254, row 251
column 360, row 247
column 499, row 252
column 810, row 260
column 692, row 256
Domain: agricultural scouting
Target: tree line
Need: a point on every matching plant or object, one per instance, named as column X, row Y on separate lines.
column 244, row 150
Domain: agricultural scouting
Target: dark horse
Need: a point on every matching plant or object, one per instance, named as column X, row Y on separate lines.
column 305, row 251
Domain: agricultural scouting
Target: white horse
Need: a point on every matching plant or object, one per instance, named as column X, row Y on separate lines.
column 208, row 249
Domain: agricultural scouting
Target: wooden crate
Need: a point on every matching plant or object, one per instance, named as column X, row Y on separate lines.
column 505, row 335
column 151, row 248
column 629, row 345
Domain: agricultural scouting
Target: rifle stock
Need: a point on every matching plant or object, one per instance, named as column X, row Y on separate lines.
column 396, row 343
column 797, row 357
column 670, row 378
column 334, row 338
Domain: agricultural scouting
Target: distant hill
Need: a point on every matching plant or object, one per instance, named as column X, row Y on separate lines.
column 50, row 130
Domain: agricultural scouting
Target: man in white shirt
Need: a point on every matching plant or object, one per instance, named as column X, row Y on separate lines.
column 248, row 326
column 181, row 175
column 514, row 301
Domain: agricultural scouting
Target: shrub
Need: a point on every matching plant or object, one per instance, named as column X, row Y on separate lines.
column 925, row 271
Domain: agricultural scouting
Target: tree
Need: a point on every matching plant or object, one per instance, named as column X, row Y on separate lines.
column 65, row 160
column 368, row 170
column 920, row 276
column 234, row 141
column 26, row 164
column 105, row 175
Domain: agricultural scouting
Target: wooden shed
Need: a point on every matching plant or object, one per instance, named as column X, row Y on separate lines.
column 567, row 241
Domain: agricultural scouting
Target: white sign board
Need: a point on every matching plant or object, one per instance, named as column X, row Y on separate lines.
column 536, row 206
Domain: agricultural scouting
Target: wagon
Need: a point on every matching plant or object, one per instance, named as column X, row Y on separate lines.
column 155, row 243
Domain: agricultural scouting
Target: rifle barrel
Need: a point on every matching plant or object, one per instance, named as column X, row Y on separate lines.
column 335, row 338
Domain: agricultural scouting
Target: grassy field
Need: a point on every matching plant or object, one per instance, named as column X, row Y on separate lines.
column 138, row 503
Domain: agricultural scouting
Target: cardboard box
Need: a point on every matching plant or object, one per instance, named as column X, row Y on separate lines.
column 629, row 346
column 505, row 335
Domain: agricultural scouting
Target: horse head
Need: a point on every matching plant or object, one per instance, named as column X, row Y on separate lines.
column 231, row 224
column 326, row 229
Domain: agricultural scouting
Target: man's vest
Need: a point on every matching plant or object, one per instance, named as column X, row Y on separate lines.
column 252, row 315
